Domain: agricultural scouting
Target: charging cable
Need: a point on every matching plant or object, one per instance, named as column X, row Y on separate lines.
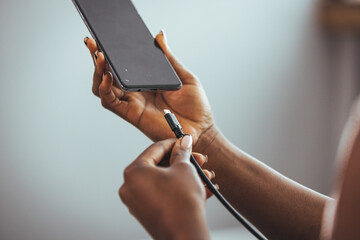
column 176, row 128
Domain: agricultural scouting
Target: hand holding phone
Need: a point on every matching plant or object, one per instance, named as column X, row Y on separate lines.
column 135, row 60
column 144, row 110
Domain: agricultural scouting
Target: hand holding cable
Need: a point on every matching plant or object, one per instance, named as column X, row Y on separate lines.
column 177, row 129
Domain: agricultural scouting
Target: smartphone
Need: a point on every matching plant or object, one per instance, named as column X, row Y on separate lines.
column 134, row 58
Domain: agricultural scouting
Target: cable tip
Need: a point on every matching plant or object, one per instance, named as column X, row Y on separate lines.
column 166, row 111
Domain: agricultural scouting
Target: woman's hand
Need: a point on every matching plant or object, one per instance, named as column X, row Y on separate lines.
column 168, row 201
column 145, row 109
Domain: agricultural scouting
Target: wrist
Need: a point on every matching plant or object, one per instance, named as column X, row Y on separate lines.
column 206, row 138
column 189, row 225
column 212, row 143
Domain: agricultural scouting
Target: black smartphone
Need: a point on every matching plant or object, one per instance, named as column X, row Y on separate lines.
column 134, row 58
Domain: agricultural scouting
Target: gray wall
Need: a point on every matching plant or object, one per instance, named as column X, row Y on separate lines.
column 266, row 67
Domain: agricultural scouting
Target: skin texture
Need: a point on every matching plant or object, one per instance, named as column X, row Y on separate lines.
column 342, row 217
column 145, row 180
column 279, row 207
column 144, row 110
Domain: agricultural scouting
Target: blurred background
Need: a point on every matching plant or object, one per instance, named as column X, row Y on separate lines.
column 274, row 70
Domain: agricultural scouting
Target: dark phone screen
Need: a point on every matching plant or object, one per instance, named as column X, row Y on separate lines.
column 129, row 47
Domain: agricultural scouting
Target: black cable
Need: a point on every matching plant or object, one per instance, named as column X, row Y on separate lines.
column 176, row 128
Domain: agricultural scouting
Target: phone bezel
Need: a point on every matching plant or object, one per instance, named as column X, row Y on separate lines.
column 114, row 72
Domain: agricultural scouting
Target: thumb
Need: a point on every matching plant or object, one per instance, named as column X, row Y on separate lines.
column 185, row 75
column 182, row 150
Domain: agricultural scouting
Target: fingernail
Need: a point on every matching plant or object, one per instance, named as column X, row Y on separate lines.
column 186, row 142
column 85, row 40
column 111, row 76
column 96, row 53
column 206, row 158
column 217, row 186
column 207, row 173
column 162, row 31
column 213, row 174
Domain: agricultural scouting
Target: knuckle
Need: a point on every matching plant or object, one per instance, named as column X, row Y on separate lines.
column 95, row 91
column 178, row 154
column 123, row 193
column 104, row 104
column 129, row 173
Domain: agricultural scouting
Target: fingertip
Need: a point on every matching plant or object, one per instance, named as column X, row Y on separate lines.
column 206, row 158
column 213, row 173
column 186, row 142
column 100, row 56
column 182, row 150
column 99, row 59
column 110, row 74
column 85, row 40
column 109, row 77
column 162, row 32
column 96, row 56
column 160, row 35
column 162, row 41
column 100, row 64
column 200, row 158
column 209, row 174
column 209, row 194
column 91, row 44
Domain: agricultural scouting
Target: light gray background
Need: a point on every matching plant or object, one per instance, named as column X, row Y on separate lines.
column 279, row 86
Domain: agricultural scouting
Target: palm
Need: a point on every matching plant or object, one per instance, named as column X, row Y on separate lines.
column 145, row 111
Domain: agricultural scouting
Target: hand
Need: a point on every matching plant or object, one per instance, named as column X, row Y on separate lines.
column 145, row 109
column 168, row 201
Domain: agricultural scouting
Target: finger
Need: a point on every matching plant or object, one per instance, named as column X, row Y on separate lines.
column 100, row 65
column 91, row 45
column 209, row 194
column 209, row 174
column 155, row 153
column 111, row 100
column 200, row 158
column 119, row 93
column 185, row 75
column 85, row 40
column 182, row 150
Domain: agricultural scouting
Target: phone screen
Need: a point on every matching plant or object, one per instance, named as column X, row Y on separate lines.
column 134, row 57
